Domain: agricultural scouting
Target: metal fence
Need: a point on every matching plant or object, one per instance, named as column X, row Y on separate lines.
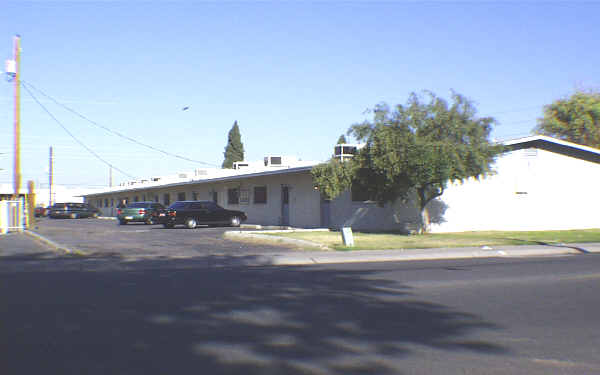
column 12, row 216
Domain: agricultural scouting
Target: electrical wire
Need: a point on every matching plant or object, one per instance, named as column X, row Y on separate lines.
column 75, row 138
column 115, row 132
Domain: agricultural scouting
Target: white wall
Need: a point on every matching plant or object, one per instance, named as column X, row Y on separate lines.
column 303, row 202
column 533, row 190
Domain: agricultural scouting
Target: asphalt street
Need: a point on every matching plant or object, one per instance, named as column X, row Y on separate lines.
column 476, row 316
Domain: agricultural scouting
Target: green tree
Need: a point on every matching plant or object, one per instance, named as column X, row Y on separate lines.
column 234, row 151
column 414, row 150
column 341, row 139
column 575, row 119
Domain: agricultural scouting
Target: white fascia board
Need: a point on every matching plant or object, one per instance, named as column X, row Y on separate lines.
column 550, row 140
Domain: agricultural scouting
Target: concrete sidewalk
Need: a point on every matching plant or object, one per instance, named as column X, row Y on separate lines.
column 31, row 242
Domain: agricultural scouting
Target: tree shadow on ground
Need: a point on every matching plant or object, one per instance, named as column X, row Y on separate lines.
column 170, row 318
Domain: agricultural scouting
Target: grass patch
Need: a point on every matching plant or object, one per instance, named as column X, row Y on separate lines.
column 381, row 241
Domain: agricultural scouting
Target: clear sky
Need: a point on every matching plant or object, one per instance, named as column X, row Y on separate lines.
column 294, row 74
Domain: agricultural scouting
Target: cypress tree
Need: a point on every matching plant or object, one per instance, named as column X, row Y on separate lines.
column 234, row 151
column 341, row 139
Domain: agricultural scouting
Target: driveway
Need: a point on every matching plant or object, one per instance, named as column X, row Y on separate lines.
column 106, row 237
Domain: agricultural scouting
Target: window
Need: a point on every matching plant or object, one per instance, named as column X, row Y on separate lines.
column 276, row 160
column 105, row 202
column 112, row 202
column 166, row 199
column 135, row 199
column 260, row 194
column 233, row 196
column 156, row 198
column 244, row 196
column 144, row 198
column 215, row 197
column 181, row 196
column 194, row 196
column 360, row 194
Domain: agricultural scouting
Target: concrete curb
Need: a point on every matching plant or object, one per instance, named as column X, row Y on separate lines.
column 48, row 242
column 407, row 255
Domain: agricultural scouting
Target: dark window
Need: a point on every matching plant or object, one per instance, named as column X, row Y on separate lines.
column 106, row 202
column 135, row 199
column 181, row 196
column 194, row 196
column 285, row 191
column 156, row 198
column 276, row 160
column 139, row 205
column 112, row 202
column 144, row 197
column 260, row 194
column 360, row 194
column 166, row 199
column 215, row 196
column 197, row 206
column 233, row 196
column 177, row 205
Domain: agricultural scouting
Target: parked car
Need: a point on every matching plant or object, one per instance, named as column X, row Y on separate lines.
column 73, row 210
column 145, row 212
column 41, row 211
column 192, row 213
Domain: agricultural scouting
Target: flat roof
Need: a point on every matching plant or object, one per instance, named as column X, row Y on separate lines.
column 208, row 180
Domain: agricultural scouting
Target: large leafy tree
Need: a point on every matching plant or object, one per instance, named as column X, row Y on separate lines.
column 414, row 150
column 575, row 119
column 234, row 151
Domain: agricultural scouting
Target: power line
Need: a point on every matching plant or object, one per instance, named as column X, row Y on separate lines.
column 115, row 132
column 75, row 138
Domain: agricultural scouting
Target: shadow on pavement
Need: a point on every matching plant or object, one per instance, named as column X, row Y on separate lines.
column 145, row 319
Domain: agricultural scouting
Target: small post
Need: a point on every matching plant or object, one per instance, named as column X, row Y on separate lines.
column 347, row 237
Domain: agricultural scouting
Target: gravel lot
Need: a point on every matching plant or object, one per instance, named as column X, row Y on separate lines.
column 106, row 237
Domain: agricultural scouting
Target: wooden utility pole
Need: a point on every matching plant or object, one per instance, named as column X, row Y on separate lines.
column 50, row 176
column 17, row 156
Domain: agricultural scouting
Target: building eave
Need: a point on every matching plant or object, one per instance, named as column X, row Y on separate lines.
column 205, row 181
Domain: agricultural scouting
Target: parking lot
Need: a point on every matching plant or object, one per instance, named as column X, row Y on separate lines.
column 106, row 237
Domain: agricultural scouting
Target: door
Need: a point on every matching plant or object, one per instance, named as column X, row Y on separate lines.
column 325, row 212
column 285, row 205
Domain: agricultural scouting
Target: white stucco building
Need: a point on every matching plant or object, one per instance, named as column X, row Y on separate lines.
column 541, row 183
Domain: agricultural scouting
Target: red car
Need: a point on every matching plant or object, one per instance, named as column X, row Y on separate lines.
column 41, row 211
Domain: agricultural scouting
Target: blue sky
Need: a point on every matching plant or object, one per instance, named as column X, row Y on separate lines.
column 295, row 74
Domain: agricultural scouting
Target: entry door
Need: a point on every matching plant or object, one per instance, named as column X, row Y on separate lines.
column 325, row 212
column 285, row 205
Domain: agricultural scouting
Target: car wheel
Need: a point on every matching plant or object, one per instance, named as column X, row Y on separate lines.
column 168, row 225
column 122, row 222
column 191, row 223
column 149, row 221
column 73, row 216
column 234, row 221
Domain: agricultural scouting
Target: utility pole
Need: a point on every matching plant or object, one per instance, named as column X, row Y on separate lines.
column 50, row 176
column 110, row 177
column 17, row 79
